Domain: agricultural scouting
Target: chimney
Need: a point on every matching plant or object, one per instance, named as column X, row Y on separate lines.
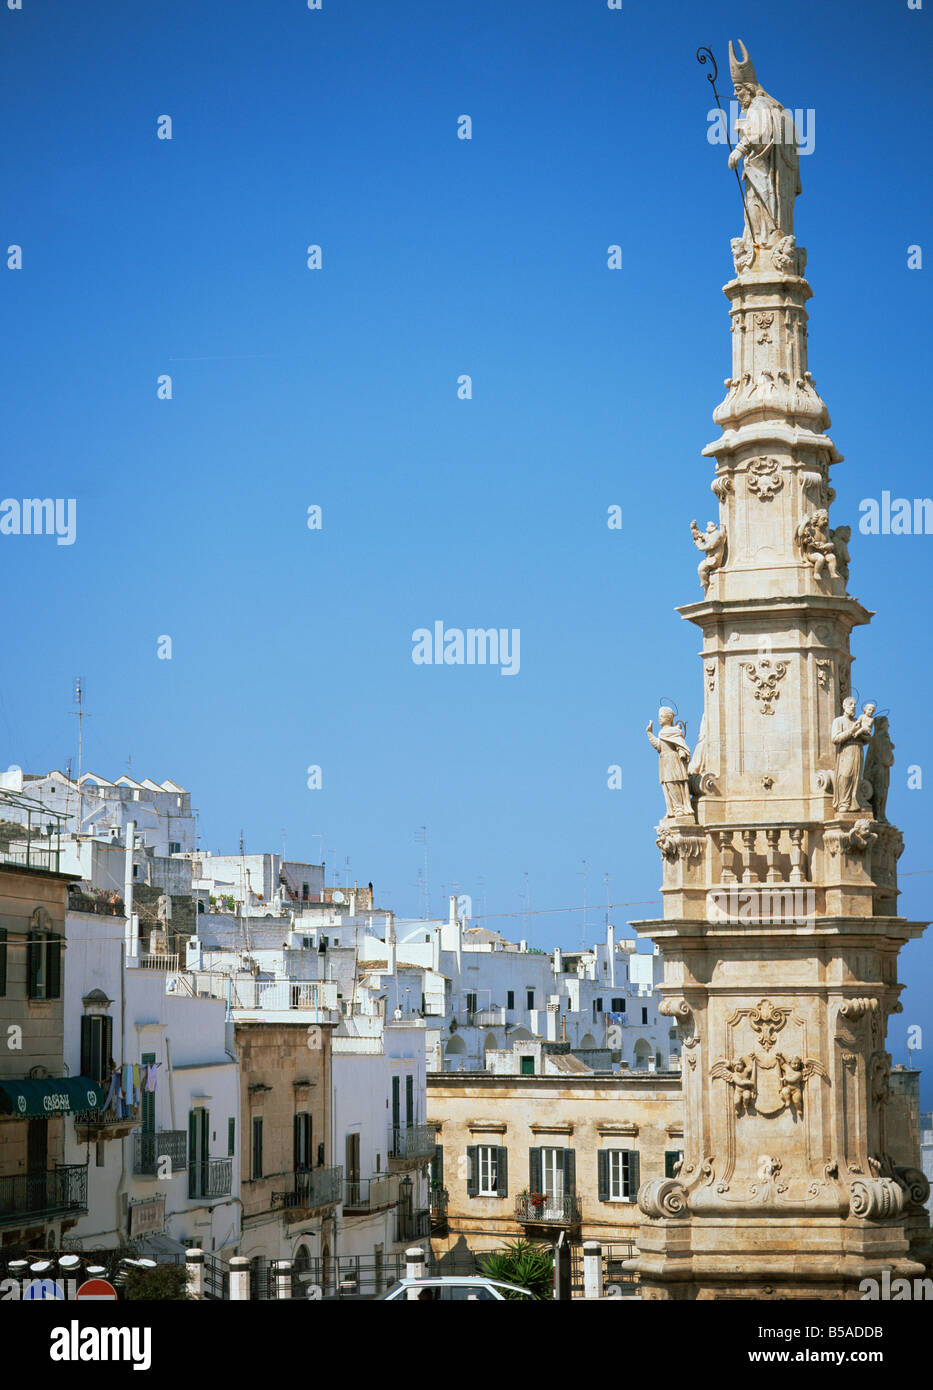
column 611, row 948
column 353, row 903
column 452, row 916
column 558, row 960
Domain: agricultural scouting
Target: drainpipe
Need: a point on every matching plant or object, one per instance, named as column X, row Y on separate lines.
column 132, row 921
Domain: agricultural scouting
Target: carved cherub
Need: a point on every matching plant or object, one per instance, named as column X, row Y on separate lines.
column 713, row 544
column 840, row 538
column 740, row 1075
column 815, row 543
column 879, row 760
column 794, row 1076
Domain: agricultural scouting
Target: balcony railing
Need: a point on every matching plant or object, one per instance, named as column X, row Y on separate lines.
column 212, row 1177
column 159, row 960
column 554, row 1210
column 104, row 1124
column 488, row 1018
column 370, row 1194
column 151, row 1151
column 414, row 1225
column 412, row 1141
column 439, row 1200
column 314, row 1187
column 27, row 1198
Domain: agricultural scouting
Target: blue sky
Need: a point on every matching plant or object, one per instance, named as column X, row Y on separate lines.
column 339, row 388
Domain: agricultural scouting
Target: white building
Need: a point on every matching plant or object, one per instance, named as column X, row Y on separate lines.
column 92, row 805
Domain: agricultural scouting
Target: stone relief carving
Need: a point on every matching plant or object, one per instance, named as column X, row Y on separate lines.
column 764, row 478
column 765, row 1081
column 879, row 759
column 673, row 761
column 814, row 540
column 764, row 675
column 713, row 544
column 787, row 257
column 815, row 488
column 740, row 1075
column 914, row 1184
column 763, row 323
column 840, row 538
column 710, row 669
column 663, row 1197
column 874, row 1199
column 743, row 254
column 673, row 845
column 849, row 736
column 721, row 486
column 824, row 674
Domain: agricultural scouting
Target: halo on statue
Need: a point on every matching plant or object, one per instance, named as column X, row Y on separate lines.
column 672, row 704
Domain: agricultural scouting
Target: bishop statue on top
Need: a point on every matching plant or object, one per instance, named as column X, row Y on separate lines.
column 768, row 145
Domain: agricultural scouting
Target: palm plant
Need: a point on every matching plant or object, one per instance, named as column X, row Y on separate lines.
column 524, row 1263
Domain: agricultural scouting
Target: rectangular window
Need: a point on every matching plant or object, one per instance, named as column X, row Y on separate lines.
column 644, row 1015
column 671, row 1158
column 148, row 1097
column 618, row 1006
column 598, row 1006
column 301, row 1142
column 623, row 1175
column 487, row 1160
column 471, row 1002
column 396, row 1103
column 174, row 847
column 231, row 1136
column 527, row 1066
column 552, row 1175
column 100, row 1151
column 529, row 999
column 409, row 1100
column 510, row 999
column 96, row 1047
column 44, row 961
column 437, row 1166
column 256, row 1169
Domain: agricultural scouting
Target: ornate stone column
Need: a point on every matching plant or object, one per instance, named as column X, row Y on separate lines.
column 781, row 957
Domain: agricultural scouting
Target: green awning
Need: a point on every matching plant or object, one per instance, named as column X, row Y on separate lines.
column 60, row 1095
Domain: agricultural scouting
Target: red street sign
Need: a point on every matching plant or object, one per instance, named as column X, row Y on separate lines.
column 97, row 1290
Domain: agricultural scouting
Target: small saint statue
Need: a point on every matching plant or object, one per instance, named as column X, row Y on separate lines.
column 713, row 545
column 768, row 145
column 849, row 736
column 816, row 544
column 673, row 763
column 879, row 759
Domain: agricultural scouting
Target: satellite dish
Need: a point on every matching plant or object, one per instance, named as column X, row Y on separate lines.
column 338, row 897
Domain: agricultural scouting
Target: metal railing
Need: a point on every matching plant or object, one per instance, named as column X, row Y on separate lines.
column 212, row 1177
column 489, row 1018
column 313, row 1187
column 370, row 1194
column 414, row 1225
column 151, row 1150
column 412, row 1141
column 27, row 1197
column 552, row 1210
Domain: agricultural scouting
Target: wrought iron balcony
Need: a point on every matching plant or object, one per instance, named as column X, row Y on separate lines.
column 412, row 1143
column 312, row 1188
column 370, row 1194
column 150, row 1151
column 212, row 1177
column 95, row 1125
column 414, row 1225
column 546, row 1209
column 27, row 1198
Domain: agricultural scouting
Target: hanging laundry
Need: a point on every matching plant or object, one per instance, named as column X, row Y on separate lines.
column 151, row 1076
column 113, row 1095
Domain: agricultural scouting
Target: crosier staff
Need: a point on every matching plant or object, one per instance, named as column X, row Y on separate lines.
column 705, row 55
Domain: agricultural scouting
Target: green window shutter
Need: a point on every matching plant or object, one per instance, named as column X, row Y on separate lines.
column 635, row 1170
column 231, row 1137
column 437, row 1165
column 192, row 1138
column 87, row 1046
column 409, row 1100
column 2, row 961
column 570, row 1171
column 534, row 1170
column 502, row 1172
column 148, row 1097
column 106, row 1052
column 256, row 1170
column 602, row 1174
column 472, row 1170
column 396, row 1103
column 53, row 978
